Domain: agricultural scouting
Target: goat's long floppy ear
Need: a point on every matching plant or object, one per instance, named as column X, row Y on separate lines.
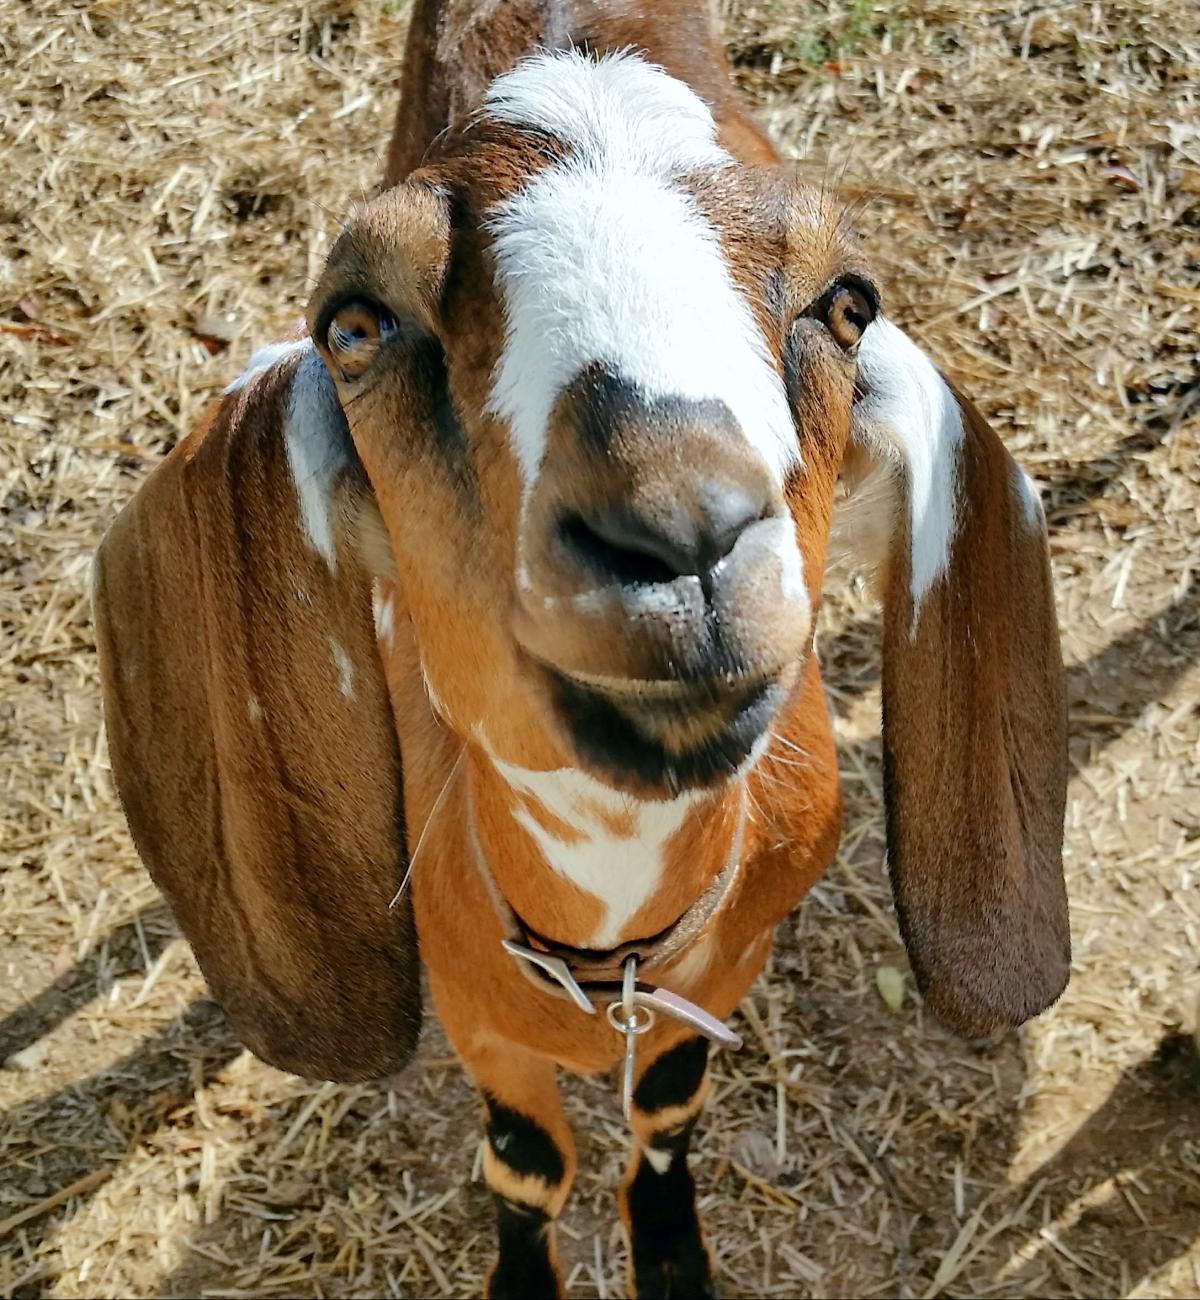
column 251, row 734
column 974, row 715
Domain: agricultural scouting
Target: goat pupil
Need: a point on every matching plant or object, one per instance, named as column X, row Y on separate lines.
column 854, row 310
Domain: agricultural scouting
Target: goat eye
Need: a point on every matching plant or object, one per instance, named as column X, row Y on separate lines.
column 847, row 310
column 354, row 335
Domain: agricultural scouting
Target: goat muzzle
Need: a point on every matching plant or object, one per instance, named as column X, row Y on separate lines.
column 660, row 585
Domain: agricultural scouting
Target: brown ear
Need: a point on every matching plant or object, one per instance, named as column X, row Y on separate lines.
column 251, row 735
column 974, row 714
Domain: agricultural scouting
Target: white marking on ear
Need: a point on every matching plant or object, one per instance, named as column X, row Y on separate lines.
column 267, row 357
column 1031, row 500
column 623, row 872
column 317, row 447
column 604, row 257
column 345, row 669
column 909, row 414
column 253, row 708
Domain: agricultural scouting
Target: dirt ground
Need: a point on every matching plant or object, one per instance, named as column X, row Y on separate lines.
column 1029, row 182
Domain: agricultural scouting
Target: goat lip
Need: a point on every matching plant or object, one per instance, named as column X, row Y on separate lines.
column 657, row 747
column 634, row 691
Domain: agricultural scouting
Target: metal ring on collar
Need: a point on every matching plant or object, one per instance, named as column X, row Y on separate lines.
column 640, row 1020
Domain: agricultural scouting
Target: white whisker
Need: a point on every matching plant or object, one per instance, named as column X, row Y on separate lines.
column 791, row 744
column 757, row 807
column 437, row 803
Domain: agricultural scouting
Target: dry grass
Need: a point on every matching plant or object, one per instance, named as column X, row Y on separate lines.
column 169, row 175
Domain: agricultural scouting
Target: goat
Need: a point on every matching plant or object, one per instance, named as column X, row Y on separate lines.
column 481, row 609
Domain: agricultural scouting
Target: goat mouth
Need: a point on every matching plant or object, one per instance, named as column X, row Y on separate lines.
column 664, row 736
column 649, row 691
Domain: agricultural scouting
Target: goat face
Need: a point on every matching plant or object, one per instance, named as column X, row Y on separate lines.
column 600, row 377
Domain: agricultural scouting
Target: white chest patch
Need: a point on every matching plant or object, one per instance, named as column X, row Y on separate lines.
column 621, row 870
column 605, row 257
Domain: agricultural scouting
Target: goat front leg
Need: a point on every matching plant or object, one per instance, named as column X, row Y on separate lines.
column 668, row 1259
column 529, row 1164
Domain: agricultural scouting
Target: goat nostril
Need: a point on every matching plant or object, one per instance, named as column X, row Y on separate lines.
column 622, row 544
column 615, row 553
column 721, row 543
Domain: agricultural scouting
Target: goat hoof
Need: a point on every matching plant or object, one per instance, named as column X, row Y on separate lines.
column 523, row 1279
column 682, row 1279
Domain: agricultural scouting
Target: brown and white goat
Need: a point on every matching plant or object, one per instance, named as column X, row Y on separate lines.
column 502, row 572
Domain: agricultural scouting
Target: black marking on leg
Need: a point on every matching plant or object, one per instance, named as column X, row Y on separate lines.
column 524, row 1146
column 674, row 1078
column 675, row 1140
column 525, row 1268
column 670, row 1261
column 668, row 1254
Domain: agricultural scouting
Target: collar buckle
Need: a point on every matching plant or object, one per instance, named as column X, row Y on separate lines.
column 553, row 966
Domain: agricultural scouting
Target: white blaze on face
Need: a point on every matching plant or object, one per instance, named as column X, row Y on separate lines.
column 605, row 258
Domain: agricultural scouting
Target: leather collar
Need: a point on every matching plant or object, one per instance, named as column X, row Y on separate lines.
column 587, row 976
